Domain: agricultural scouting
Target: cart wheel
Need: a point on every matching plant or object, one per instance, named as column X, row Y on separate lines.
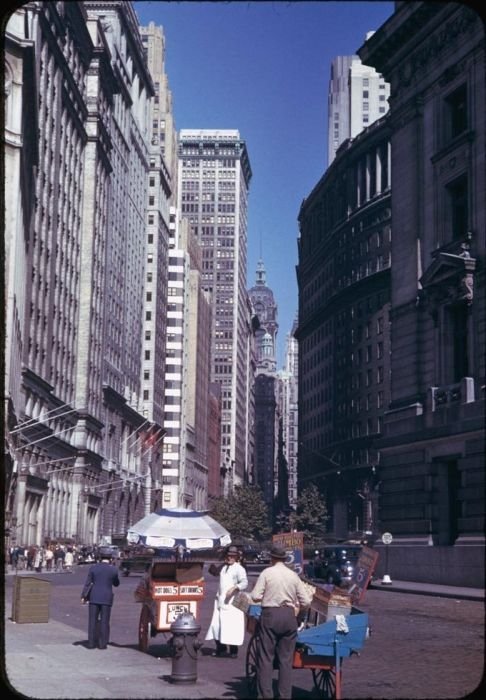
column 324, row 683
column 251, row 669
column 144, row 629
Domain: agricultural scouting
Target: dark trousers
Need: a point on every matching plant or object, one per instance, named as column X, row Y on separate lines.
column 99, row 621
column 277, row 636
column 222, row 648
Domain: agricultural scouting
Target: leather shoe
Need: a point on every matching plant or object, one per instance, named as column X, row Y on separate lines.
column 101, row 647
column 90, row 646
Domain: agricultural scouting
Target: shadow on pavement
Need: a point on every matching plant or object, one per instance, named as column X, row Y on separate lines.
column 236, row 688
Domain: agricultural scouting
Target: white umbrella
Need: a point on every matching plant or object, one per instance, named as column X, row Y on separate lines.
column 169, row 527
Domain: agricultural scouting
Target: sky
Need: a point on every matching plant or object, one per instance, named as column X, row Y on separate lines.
column 263, row 68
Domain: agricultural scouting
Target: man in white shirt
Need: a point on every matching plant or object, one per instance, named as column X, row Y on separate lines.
column 282, row 594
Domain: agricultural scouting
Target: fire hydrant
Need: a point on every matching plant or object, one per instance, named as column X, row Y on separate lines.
column 185, row 646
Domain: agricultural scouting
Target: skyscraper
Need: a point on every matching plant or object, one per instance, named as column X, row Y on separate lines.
column 213, row 183
column 266, row 309
column 358, row 96
column 266, row 414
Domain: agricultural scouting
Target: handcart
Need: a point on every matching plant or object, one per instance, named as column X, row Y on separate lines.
column 320, row 648
column 168, row 589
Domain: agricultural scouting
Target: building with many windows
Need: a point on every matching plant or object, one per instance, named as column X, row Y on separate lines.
column 433, row 436
column 343, row 328
column 357, row 97
column 80, row 443
column 288, row 408
column 214, row 177
column 266, row 426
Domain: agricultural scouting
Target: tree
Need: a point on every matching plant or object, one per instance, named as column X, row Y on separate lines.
column 243, row 513
column 310, row 516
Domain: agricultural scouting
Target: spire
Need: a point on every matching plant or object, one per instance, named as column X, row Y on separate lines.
column 260, row 276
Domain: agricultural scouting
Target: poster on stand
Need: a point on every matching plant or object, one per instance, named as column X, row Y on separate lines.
column 293, row 543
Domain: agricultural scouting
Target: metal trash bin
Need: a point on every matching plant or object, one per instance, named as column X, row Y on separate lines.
column 30, row 601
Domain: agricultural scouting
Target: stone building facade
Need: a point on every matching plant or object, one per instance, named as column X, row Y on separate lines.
column 432, row 496
column 78, row 440
column 343, row 329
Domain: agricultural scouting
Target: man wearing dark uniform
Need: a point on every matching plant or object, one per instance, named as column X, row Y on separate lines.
column 98, row 588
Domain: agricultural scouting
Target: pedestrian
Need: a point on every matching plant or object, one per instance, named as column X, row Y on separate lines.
column 227, row 626
column 30, row 557
column 49, row 558
column 38, row 559
column 310, row 570
column 59, row 558
column 98, row 591
column 180, row 552
column 69, row 560
column 282, row 595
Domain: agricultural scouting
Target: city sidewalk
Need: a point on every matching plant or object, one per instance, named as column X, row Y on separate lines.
column 435, row 589
column 49, row 660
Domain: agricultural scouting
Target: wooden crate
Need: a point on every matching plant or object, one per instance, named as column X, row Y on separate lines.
column 328, row 604
column 31, row 598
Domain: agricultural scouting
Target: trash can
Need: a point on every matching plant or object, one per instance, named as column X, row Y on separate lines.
column 30, row 601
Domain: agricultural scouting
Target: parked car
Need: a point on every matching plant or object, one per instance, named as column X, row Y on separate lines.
column 86, row 555
column 254, row 554
column 108, row 550
column 335, row 564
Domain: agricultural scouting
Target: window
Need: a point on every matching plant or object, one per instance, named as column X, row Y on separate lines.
column 458, row 327
column 457, row 194
column 456, row 112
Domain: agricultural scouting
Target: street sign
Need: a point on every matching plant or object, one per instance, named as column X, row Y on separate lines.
column 387, row 538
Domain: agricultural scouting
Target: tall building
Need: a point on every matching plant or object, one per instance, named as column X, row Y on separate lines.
column 265, row 308
column 343, row 328
column 78, row 465
column 357, row 97
column 160, row 222
column 432, row 495
column 267, row 420
column 214, row 178
column 288, row 408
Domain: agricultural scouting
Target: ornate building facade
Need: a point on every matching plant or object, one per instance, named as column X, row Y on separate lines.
column 80, row 444
column 432, row 496
column 343, row 329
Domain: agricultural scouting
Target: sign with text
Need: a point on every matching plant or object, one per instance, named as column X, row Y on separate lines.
column 293, row 543
column 363, row 570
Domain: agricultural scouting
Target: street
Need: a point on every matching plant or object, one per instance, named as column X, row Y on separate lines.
column 420, row 646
